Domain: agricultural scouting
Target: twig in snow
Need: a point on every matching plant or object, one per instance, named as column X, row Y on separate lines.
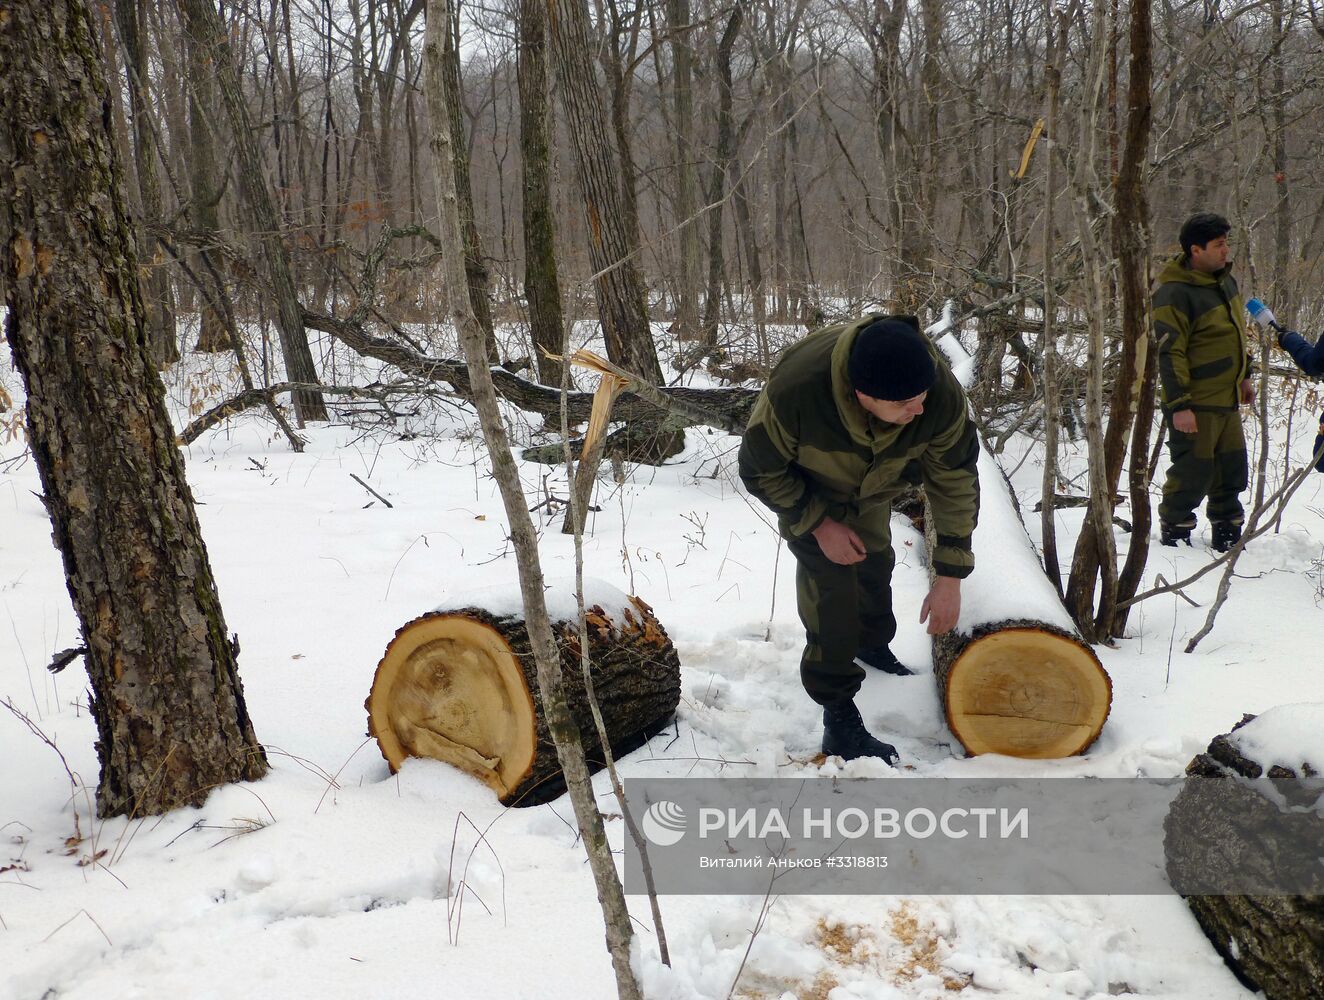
column 371, row 490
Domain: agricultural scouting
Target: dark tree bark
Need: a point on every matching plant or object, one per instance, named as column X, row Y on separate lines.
column 542, row 284
column 160, row 300
column 204, row 24
column 166, row 695
column 1235, row 824
column 622, row 302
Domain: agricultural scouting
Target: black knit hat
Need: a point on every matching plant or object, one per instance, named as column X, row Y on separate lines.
column 890, row 360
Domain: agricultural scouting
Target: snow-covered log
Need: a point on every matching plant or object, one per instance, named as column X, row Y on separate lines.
column 1014, row 677
column 460, row 685
column 1252, row 818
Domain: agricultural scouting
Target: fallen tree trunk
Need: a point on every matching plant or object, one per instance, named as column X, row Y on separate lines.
column 460, row 686
column 1015, row 677
column 727, row 409
column 1244, row 823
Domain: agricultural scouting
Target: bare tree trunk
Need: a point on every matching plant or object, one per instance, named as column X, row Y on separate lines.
column 619, row 87
column 717, row 181
column 688, row 242
column 1142, row 514
column 753, row 262
column 160, row 300
column 166, row 696
column 542, row 284
column 204, row 24
column 1095, row 551
column 475, row 267
column 1282, row 236
column 885, row 45
column 565, row 734
column 1052, row 402
column 1133, row 399
column 204, row 184
column 622, row 302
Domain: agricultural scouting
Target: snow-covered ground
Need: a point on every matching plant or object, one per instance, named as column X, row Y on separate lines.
column 333, row 878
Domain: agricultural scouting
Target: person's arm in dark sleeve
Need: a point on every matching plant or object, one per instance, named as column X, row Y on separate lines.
column 1308, row 357
column 767, row 468
column 951, row 484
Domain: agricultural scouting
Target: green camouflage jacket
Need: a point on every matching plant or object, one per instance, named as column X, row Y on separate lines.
column 811, row 451
column 1200, row 323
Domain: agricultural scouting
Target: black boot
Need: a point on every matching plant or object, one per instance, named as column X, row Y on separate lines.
column 881, row 658
column 844, row 735
column 1225, row 535
column 1171, row 534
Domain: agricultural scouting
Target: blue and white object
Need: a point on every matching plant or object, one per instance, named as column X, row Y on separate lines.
column 1262, row 314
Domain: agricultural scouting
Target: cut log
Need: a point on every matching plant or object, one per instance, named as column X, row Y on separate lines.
column 461, row 686
column 1224, row 830
column 1015, row 677
column 1023, row 688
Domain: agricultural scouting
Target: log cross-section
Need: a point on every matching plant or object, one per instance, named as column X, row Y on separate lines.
column 1021, row 688
column 460, row 686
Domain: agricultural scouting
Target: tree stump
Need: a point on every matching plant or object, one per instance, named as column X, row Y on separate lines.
column 1224, row 830
column 461, row 686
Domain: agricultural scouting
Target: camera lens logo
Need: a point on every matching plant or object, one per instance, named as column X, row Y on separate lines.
column 664, row 823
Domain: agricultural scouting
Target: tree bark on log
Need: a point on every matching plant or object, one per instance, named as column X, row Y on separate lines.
column 1015, row 678
column 461, row 686
column 1214, row 834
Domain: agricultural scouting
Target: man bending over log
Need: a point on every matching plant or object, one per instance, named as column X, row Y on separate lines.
column 845, row 411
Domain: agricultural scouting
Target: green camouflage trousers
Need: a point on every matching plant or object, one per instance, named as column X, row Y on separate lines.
column 1210, row 462
column 844, row 609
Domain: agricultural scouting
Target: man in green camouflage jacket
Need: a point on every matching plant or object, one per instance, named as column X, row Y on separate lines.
column 846, row 411
column 1205, row 374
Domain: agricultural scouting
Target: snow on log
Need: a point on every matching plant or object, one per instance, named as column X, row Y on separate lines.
column 1252, row 817
column 1014, row 677
column 460, row 685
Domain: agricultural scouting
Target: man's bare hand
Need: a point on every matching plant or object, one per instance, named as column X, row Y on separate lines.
column 942, row 607
column 1184, row 421
column 1247, row 392
column 839, row 543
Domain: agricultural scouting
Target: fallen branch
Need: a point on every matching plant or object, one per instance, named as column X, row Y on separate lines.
column 265, row 395
column 371, row 490
column 727, row 409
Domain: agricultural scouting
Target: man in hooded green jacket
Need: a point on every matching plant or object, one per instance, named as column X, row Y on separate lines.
column 845, row 416
column 1205, row 376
